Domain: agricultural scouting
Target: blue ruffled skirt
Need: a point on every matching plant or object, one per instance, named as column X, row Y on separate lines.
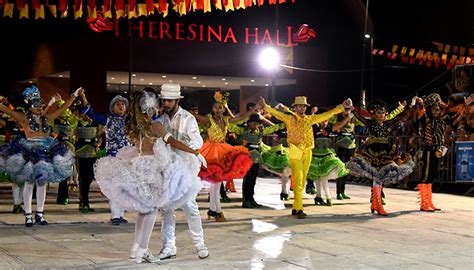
column 38, row 160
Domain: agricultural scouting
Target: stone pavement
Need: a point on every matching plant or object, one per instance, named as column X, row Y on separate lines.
column 344, row 236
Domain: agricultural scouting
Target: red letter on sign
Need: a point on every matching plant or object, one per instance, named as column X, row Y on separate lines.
column 266, row 35
column 192, row 32
column 179, row 31
column 214, row 33
column 151, row 29
column 247, row 35
column 164, row 28
column 140, row 28
column 230, row 34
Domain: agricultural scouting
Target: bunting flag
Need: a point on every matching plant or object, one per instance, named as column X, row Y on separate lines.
column 122, row 8
column 444, row 55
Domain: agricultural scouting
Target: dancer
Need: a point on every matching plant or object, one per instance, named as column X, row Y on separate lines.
column 35, row 157
column 11, row 131
column 148, row 176
column 379, row 160
column 325, row 165
column 224, row 161
column 301, row 141
column 115, row 137
column 252, row 139
column 183, row 126
column 431, row 130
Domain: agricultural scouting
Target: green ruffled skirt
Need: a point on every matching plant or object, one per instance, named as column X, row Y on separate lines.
column 325, row 163
column 274, row 159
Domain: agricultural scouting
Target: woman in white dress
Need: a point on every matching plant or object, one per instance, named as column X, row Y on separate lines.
column 148, row 176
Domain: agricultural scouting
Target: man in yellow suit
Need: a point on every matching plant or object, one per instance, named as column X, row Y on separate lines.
column 301, row 141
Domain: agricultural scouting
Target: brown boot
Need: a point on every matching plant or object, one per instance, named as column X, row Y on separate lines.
column 377, row 191
column 424, row 205
column 220, row 217
column 229, row 186
column 430, row 194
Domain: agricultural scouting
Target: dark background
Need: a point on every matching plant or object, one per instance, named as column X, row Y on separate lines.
column 32, row 48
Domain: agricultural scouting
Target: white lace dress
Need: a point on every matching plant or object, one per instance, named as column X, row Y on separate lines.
column 142, row 183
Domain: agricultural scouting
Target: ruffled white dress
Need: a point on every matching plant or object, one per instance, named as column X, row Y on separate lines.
column 142, row 183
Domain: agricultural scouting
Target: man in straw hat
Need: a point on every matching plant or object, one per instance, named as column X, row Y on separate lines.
column 182, row 125
column 301, row 141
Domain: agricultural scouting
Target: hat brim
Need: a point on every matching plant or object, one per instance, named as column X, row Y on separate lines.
column 169, row 97
column 305, row 104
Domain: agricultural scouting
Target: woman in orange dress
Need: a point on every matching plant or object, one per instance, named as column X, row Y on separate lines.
column 223, row 160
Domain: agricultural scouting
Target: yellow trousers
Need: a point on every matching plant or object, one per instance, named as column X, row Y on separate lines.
column 299, row 171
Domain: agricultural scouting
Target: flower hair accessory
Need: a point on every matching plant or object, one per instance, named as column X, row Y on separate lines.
column 31, row 95
column 148, row 103
column 221, row 97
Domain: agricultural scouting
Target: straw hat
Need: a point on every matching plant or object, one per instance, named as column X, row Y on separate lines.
column 170, row 91
column 300, row 100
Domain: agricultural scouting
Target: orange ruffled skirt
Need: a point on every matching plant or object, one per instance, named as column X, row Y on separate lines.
column 224, row 161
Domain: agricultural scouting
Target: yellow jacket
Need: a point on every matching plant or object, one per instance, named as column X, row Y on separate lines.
column 300, row 129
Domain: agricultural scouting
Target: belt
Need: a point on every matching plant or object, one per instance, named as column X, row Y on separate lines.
column 254, row 146
column 346, row 134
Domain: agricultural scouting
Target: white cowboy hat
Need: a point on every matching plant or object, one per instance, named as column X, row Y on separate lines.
column 170, row 91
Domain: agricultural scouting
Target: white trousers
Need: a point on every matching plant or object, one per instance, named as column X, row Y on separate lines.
column 168, row 225
column 28, row 197
column 17, row 192
column 117, row 211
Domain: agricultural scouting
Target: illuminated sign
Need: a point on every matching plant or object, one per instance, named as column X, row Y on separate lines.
column 288, row 36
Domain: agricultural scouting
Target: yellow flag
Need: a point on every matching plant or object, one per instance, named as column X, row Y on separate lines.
column 462, row 51
column 218, row 4
column 24, row 12
column 412, row 52
column 53, row 9
column 394, row 48
column 39, row 12
column 91, row 12
column 229, row 6
column 447, row 48
column 404, row 51
column 439, row 45
column 8, row 10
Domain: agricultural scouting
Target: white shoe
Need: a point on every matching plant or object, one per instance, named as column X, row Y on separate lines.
column 133, row 250
column 150, row 257
column 139, row 255
column 167, row 253
column 202, row 251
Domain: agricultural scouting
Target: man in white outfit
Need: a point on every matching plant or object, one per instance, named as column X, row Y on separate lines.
column 183, row 126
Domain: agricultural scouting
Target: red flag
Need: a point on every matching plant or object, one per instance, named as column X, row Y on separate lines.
column 107, row 5
column 248, row 3
column 260, row 2
column 20, row 4
column 92, row 4
column 272, row 2
column 188, row 5
column 3, row 2
column 62, row 5
column 132, row 4
column 150, row 6
column 119, row 5
column 199, row 4
column 162, row 5
column 236, row 3
column 77, row 5
column 35, row 4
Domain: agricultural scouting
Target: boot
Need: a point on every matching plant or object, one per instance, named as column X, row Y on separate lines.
column 377, row 201
column 283, row 197
column 28, row 220
column 211, row 214
column 430, row 195
column 319, row 201
column 339, row 196
column 224, row 197
column 220, row 217
column 229, row 186
column 328, row 202
column 424, row 206
column 247, row 204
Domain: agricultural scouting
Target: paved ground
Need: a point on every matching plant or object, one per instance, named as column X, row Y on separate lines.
column 345, row 236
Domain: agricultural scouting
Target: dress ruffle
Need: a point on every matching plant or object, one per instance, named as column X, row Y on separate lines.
column 36, row 160
column 143, row 183
column 381, row 161
column 224, row 161
column 328, row 165
column 275, row 159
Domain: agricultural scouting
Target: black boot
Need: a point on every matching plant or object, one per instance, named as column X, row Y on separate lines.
column 39, row 218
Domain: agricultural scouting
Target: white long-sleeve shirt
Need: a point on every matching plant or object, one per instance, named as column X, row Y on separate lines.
column 183, row 127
